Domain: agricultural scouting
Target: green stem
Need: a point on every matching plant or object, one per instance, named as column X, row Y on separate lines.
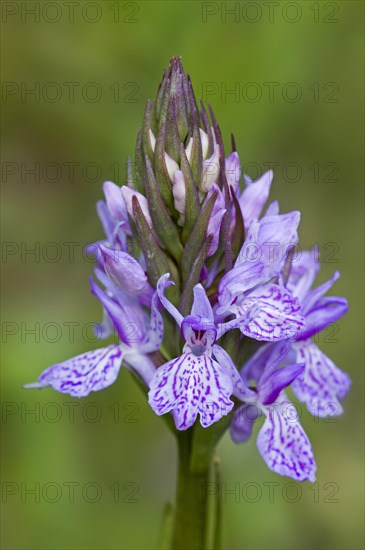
column 191, row 502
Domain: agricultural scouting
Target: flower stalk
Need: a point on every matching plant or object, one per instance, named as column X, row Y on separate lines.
column 191, row 517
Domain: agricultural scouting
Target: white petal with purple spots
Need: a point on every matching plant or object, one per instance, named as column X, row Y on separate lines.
column 278, row 313
column 239, row 389
column 90, row 371
column 189, row 386
column 322, row 384
column 284, row 445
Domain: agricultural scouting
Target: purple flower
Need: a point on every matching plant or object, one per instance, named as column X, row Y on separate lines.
column 275, row 313
column 194, row 383
column 249, row 286
column 322, row 384
column 269, row 241
column 184, row 211
column 98, row 369
column 281, row 441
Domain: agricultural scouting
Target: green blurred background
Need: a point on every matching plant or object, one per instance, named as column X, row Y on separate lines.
column 115, row 453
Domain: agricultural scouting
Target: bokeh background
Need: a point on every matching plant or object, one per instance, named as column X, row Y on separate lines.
column 95, row 474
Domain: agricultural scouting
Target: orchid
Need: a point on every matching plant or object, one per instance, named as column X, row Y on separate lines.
column 281, row 441
column 194, row 382
column 322, row 384
column 197, row 277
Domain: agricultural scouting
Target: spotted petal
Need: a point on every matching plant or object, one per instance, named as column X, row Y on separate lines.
column 90, row 371
column 190, row 385
column 284, row 445
column 239, row 389
column 278, row 315
column 322, row 384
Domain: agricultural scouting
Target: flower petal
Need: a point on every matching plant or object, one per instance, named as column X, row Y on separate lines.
column 241, row 278
column 278, row 315
column 269, row 241
column 201, row 305
column 141, row 364
column 254, row 197
column 239, row 389
column 90, row 371
column 162, row 284
column 271, row 386
column 198, row 333
column 243, row 421
column 304, row 269
column 106, row 221
column 322, row 384
column 123, row 270
column 242, row 320
column 155, row 331
column 284, row 445
column 190, row 385
column 128, row 195
column 253, row 369
column 272, row 209
column 128, row 317
column 104, row 329
column 325, row 312
column 318, row 292
column 116, row 204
